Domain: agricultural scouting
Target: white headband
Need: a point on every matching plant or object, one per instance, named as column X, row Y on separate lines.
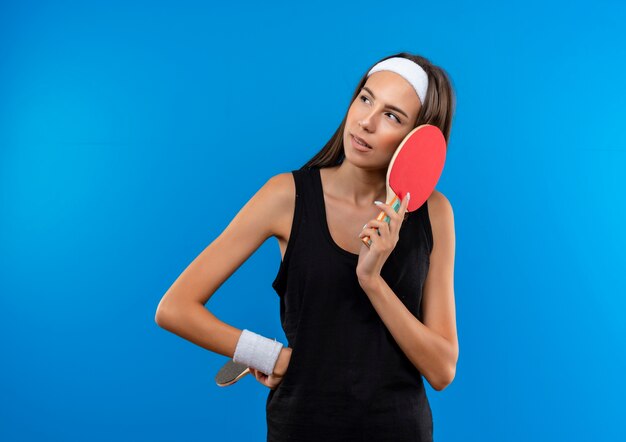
column 411, row 71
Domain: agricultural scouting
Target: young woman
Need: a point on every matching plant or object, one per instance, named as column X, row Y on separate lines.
column 363, row 324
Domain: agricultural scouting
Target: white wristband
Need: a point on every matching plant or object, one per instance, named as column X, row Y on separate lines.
column 257, row 351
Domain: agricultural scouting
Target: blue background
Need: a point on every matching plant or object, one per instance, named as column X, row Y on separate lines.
column 119, row 122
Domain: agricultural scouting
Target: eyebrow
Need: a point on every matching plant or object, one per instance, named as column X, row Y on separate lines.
column 389, row 106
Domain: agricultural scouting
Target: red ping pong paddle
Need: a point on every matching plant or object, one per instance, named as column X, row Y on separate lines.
column 415, row 168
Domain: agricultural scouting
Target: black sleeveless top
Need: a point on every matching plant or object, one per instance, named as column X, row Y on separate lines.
column 347, row 379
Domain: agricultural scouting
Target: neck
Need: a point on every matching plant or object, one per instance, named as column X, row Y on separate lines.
column 359, row 186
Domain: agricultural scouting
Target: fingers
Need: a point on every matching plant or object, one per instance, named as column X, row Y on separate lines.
column 258, row 375
column 374, row 226
column 386, row 227
column 391, row 212
column 393, row 218
column 404, row 206
column 268, row 381
column 401, row 210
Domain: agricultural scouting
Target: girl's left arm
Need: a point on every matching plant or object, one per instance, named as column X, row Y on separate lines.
column 432, row 346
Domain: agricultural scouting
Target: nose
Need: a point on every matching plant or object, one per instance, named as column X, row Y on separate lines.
column 366, row 121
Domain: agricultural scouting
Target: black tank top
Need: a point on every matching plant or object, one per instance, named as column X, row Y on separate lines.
column 347, row 379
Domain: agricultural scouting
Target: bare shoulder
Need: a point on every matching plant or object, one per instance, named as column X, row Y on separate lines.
column 282, row 185
column 439, row 206
column 280, row 194
column 441, row 217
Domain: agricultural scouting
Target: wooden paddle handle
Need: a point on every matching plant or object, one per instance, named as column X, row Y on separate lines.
column 395, row 204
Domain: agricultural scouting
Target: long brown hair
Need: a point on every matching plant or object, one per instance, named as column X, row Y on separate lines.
column 437, row 110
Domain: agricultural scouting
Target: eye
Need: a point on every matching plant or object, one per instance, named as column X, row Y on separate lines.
column 388, row 113
column 393, row 115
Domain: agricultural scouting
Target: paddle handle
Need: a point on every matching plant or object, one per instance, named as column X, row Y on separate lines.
column 395, row 204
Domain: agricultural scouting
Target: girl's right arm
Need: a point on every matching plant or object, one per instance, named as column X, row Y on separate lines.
column 182, row 311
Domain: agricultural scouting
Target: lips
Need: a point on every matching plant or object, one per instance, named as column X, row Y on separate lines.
column 361, row 140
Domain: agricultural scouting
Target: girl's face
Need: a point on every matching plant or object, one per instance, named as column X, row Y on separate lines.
column 386, row 108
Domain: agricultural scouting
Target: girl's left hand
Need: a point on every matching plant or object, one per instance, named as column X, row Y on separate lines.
column 372, row 258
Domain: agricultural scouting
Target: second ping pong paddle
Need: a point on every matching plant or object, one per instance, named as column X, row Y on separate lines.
column 415, row 168
column 230, row 373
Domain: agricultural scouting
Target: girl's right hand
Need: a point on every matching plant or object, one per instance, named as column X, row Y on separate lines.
column 273, row 380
